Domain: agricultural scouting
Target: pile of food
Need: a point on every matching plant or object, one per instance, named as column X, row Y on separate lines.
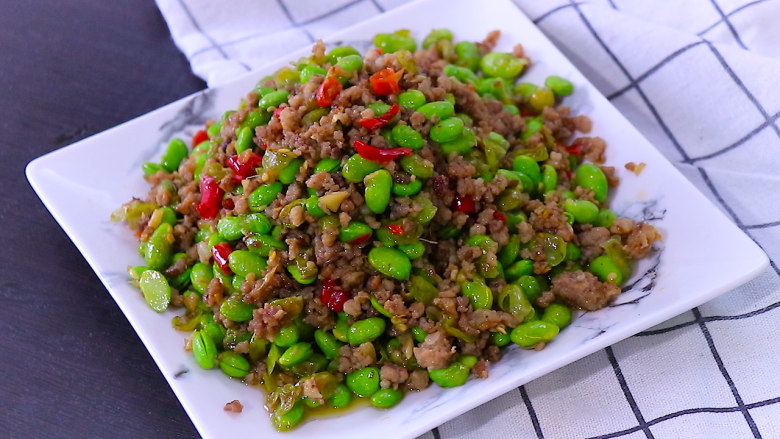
column 363, row 225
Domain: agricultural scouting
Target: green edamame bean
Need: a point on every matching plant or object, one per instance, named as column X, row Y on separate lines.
column 213, row 129
column 606, row 218
column 350, row 63
column 531, row 287
column 327, row 343
column 314, row 116
column 529, row 167
column 390, row 43
column 287, row 175
column 558, row 85
column 386, row 398
column 287, row 336
column 411, row 99
column 512, row 109
column 557, row 314
column 237, row 282
column 363, row 382
column 484, row 242
column 407, row 189
column 467, row 54
column 255, row 119
column 436, row 35
column 236, row 310
column 523, row 267
column 390, row 262
column 454, row 375
column 590, row 176
column 204, row 350
column 531, row 333
column 447, row 130
column 415, row 165
column 573, row 252
column 257, row 223
column 244, row 139
column 230, row 228
column 273, row 99
column 308, row 71
column 243, row 262
column 356, row 168
column 479, row 294
column 169, row 215
column 365, row 330
column 341, row 328
column 301, row 277
column 502, row 65
column 288, row 420
column 606, row 270
column 509, row 252
column 174, row 154
column 549, row 178
column 532, row 127
column 313, row 206
column 500, row 339
column 583, row 211
column 379, row 184
column 150, row 168
column 264, row 195
column 440, row 109
column 342, row 396
column 339, row 52
column 264, row 244
column 525, row 89
column 468, row 360
column 155, row 289
column 157, row 252
column 326, row 165
column 295, row 354
column 419, row 334
column 414, row 250
column 200, row 277
column 354, row 230
column 462, row 74
column 406, row 136
column 379, row 108
column 461, row 145
column 233, row 364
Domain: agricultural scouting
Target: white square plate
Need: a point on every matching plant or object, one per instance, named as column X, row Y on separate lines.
column 690, row 269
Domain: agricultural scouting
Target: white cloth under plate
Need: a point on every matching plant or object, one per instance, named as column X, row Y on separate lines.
column 700, row 79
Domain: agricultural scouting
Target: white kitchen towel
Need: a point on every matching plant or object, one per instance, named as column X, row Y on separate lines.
column 700, row 79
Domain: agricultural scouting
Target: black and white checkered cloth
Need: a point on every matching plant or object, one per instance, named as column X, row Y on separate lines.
column 701, row 80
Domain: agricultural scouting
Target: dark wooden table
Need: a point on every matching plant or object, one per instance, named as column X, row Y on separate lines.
column 70, row 364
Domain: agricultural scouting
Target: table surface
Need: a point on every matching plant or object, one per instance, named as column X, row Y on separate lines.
column 71, row 364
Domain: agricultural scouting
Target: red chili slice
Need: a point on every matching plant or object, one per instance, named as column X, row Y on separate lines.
column 499, row 216
column 210, row 197
column 221, row 252
column 464, row 203
column 379, row 155
column 199, row 137
column 328, row 91
column 396, row 229
column 574, row 149
column 380, row 121
column 333, row 296
column 243, row 169
column 278, row 110
column 385, row 81
column 361, row 239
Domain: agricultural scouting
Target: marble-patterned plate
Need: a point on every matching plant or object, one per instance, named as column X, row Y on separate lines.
column 701, row 256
